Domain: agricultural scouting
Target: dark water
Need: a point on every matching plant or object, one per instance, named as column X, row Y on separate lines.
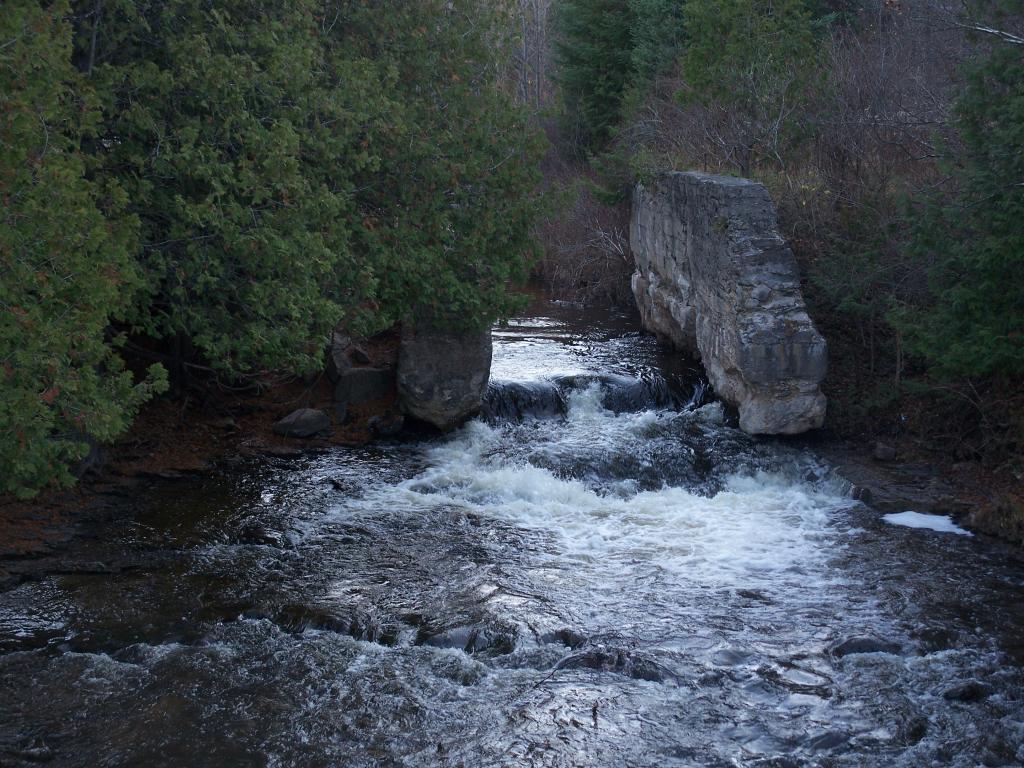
column 600, row 572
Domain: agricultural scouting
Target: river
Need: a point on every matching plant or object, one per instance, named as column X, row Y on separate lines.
column 599, row 571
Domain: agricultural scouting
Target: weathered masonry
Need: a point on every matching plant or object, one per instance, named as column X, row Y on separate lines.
column 715, row 278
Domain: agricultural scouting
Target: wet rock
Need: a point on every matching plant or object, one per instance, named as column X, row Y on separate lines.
column 620, row 661
column 442, row 374
column 472, row 640
column 754, row 594
column 714, row 678
column 781, row 761
column 456, row 637
column 304, row 422
column 883, row 452
column 299, row 618
column 517, row 401
column 347, row 486
column 358, row 355
column 341, row 412
column 827, row 741
column 278, row 451
column 797, row 679
column 386, row 425
column 913, row 730
column 895, row 486
column 338, row 362
column 256, row 534
column 364, row 385
column 863, row 495
column 570, row 638
column 968, row 693
column 716, row 279
column 857, row 645
column 36, row 751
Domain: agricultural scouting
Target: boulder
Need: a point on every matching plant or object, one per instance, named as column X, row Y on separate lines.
column 715, row 279
column 338, row 362
column 304, row 422
column 364, row 385
column 442, row 375
column 358, row 355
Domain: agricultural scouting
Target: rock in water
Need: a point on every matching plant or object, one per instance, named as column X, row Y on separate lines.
column 856, row 645
column 715, row 278
column 442, row 375
column 968, row 693
column 884, row 452
column 304, row 422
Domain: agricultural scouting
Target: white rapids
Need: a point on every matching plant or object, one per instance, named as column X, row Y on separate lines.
column 760, row 527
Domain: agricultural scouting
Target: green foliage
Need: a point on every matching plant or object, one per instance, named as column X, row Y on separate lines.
column 657, row 36
column 296, row 165
column 594, row 53
column 755, row 60
column 65, row 266
column 231, row 181
column 976, row 240
column 449, row 217
column 238, row 135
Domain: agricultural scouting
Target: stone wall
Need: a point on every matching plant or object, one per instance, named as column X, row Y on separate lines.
column 715, row 278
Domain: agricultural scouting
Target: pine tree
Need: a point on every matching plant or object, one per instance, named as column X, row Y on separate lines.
column 657, row 37
column 594, row 55
column 65, row 262
column 976, row 239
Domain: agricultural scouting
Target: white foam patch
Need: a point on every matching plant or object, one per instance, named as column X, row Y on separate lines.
column 940, row 523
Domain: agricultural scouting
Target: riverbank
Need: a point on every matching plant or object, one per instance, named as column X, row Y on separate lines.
column 907, row 481
column 175, row 438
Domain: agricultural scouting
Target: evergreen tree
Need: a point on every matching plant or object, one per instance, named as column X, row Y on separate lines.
column 594, row 53
column 657, row 36
column 238, row 136
column 448, row 217
column 65, row 262
column 233, row 180
column 976, row 239
column 296, row 165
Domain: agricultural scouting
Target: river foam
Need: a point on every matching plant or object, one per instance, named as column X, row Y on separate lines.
column 759, row 524
column 937, row 523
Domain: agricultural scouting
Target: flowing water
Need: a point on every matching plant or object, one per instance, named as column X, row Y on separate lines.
column 599, row 571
